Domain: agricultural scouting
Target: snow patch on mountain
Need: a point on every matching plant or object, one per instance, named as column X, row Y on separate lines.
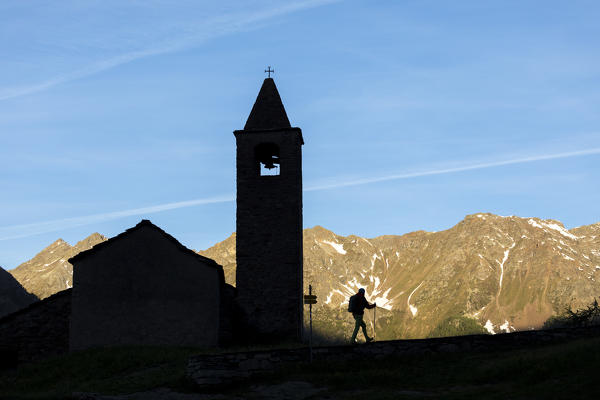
column 45, row 265
column 506, row 253
column 553, row 226
column 383, row 301
column 489, row 327
column 337, row 246
column 534, row 224
column 413, row 309
column 506, row 327
column 329, row 296
column 352, row 286
column 373, row 258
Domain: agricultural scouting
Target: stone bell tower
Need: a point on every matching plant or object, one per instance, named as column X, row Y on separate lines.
column 269, row 220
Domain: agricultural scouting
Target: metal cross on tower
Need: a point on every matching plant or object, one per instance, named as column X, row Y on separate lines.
column 269, row 71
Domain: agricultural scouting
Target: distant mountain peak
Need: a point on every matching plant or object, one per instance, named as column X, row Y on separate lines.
column 90, row 241
column 49, row 271
column 319, row 229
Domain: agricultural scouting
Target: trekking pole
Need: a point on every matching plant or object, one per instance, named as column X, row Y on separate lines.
column 374, row 321
column 310, row 315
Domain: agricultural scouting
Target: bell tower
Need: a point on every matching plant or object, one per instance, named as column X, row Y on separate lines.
column 269, row 219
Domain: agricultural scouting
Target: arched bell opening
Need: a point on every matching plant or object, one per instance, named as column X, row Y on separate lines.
column 267, row 155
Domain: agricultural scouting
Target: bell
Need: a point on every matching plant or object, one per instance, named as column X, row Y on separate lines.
column 270, row 162
column 267, row 154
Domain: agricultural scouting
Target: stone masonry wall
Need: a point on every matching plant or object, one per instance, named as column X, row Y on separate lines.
column 38, row 331
column 269, row 235
column 213, row 370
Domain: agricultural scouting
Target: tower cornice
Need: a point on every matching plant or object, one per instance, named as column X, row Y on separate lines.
column 259, row 131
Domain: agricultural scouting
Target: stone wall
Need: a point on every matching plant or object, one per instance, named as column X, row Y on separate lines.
column 213, row 370
column 269, row 235
column 38, row 331
column 228, row 315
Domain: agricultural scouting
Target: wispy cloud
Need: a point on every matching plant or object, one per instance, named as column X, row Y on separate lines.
column 407, row 175
column 199, row 33
column 26, row 230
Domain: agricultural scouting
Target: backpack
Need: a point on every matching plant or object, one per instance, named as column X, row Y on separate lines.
column 351, row 303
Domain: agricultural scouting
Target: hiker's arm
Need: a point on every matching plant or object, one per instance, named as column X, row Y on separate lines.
column 372, row 306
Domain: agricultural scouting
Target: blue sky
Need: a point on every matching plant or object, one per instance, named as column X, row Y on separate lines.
column 414, row 113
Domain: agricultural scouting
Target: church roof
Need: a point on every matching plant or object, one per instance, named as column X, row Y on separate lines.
column 141, row 224
column 268, row 111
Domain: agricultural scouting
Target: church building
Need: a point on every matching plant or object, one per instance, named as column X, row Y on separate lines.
column 144, row 287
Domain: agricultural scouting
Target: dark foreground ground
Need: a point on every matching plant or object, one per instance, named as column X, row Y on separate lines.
column 558, row 371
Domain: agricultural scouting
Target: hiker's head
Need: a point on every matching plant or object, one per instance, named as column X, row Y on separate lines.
column 361, row 292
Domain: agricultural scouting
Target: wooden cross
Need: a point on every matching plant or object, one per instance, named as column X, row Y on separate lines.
column 269, row 70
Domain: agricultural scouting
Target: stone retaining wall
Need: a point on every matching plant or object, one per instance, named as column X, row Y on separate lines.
column 216, row 369
column 37, row 331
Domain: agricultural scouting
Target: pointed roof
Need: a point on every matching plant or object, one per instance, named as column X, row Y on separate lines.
column 268, row 111
column 146, row 223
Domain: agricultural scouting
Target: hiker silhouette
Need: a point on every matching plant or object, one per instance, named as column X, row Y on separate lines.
column 356, row 306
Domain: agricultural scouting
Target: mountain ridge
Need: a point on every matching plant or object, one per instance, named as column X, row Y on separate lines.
column 49, row 272
column 501, row 273
column 505, row 273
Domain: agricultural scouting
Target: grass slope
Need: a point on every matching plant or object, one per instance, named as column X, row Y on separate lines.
column 559, row 371
column 107, row 371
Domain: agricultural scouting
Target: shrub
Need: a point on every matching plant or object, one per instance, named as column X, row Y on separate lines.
column 587, row 316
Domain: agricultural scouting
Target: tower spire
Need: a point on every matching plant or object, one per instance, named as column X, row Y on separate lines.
column 268, row 111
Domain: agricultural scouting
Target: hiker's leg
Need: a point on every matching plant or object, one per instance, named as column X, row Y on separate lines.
column 364, row 328
column 356, row 326
column 360, row 324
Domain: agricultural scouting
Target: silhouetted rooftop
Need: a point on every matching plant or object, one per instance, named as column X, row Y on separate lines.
column 268, row 111
column 141, row 224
